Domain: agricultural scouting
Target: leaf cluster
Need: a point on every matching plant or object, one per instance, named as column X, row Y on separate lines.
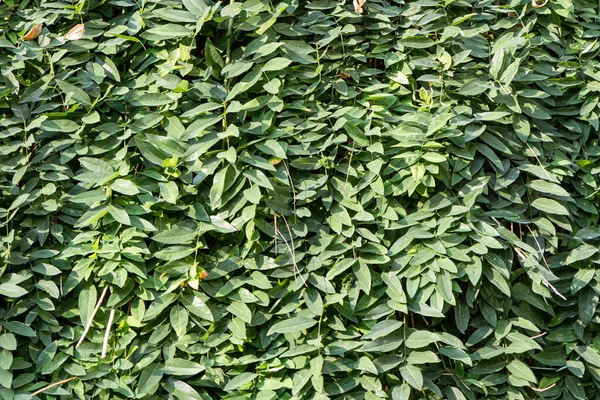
column 290, row 200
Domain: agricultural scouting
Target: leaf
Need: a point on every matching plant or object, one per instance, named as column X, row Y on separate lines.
column 176, row 235
column 179, row 320
column 196, row 7
column 589, row 354
column 74, row 92
column 239, row 380
column 34, row 32
column 247, row 82
column 182, row 367
column 412, row 375
column 198, row 307
column 87, row 301
column 119, row 215
column 582, row 252
column 276, row 64
column 355, row 133
column 456, row 354
column 11, row 290
column 401, row 392
column 419, row 339
column 588, row 302
column 169, row 191
column 8, row 341
column 76, row 32
column 382, row 329
column 521, row 371
column 548, row 188
column 549, row 206
column 293, row 324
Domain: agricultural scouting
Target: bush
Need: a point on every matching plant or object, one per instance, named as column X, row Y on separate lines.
column 262, row 200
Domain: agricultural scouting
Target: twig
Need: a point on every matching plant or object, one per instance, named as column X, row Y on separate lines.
column 111, row 317
column 519, row 252
column 275, row 225
column 91, row 319
column 291, row 183
column 291, row 249
column 538, row 336
column 349, row 162
column 227, row 60
column 544, row 389
column 538, row 245
column 53, row 385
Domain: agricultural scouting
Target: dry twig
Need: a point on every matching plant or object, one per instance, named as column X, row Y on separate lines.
column 53, row 385
column 91, row 319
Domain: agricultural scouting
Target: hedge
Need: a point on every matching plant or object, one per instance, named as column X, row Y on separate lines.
column 295, row 200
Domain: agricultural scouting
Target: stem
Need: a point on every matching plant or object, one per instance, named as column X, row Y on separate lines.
column 89, row 323
column 107, row 333
column 227, row 61
column 53, row 385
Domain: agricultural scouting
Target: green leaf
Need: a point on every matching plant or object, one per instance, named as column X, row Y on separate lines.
column 239, row 380
column 176, row 235
column 8, row 342
column 355, row 133
column 11, row 290
column 276, row 64
column 293, row 324
column 73, row 92
column 419, row 339
column 589, row 355
column 582, row 252
column 549, row 206
column 182, row 367
column 179, row 320
column 412, row 375
column 521, row 371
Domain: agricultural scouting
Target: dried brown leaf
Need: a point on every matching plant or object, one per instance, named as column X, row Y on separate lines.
column 33, row 32
column 358, row 5
column 75, row 33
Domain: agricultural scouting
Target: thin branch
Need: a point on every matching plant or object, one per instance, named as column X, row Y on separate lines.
column 544, row 389
column 520, row 253
column 291, row 249
column 275, row 224
column 111, row 317
column 538, row 245
column 349, row 162
column 53, row 385
column 538, row 336
column 91, row 319
column 291, row 183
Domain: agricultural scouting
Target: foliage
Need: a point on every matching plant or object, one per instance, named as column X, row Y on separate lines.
column 291, row 200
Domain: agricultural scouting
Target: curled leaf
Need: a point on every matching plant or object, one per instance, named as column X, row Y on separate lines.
column 359, row 3
column 75, row 33
column 33, row 32
column 535, row 4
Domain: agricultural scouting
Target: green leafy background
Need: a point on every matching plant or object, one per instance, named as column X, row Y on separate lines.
column 290, row 200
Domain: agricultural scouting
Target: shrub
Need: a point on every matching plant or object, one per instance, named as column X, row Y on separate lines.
column 261, row 200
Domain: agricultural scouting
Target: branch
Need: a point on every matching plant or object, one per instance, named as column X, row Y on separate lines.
column 53, row 385
column 107, row 333
column 89, row 323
